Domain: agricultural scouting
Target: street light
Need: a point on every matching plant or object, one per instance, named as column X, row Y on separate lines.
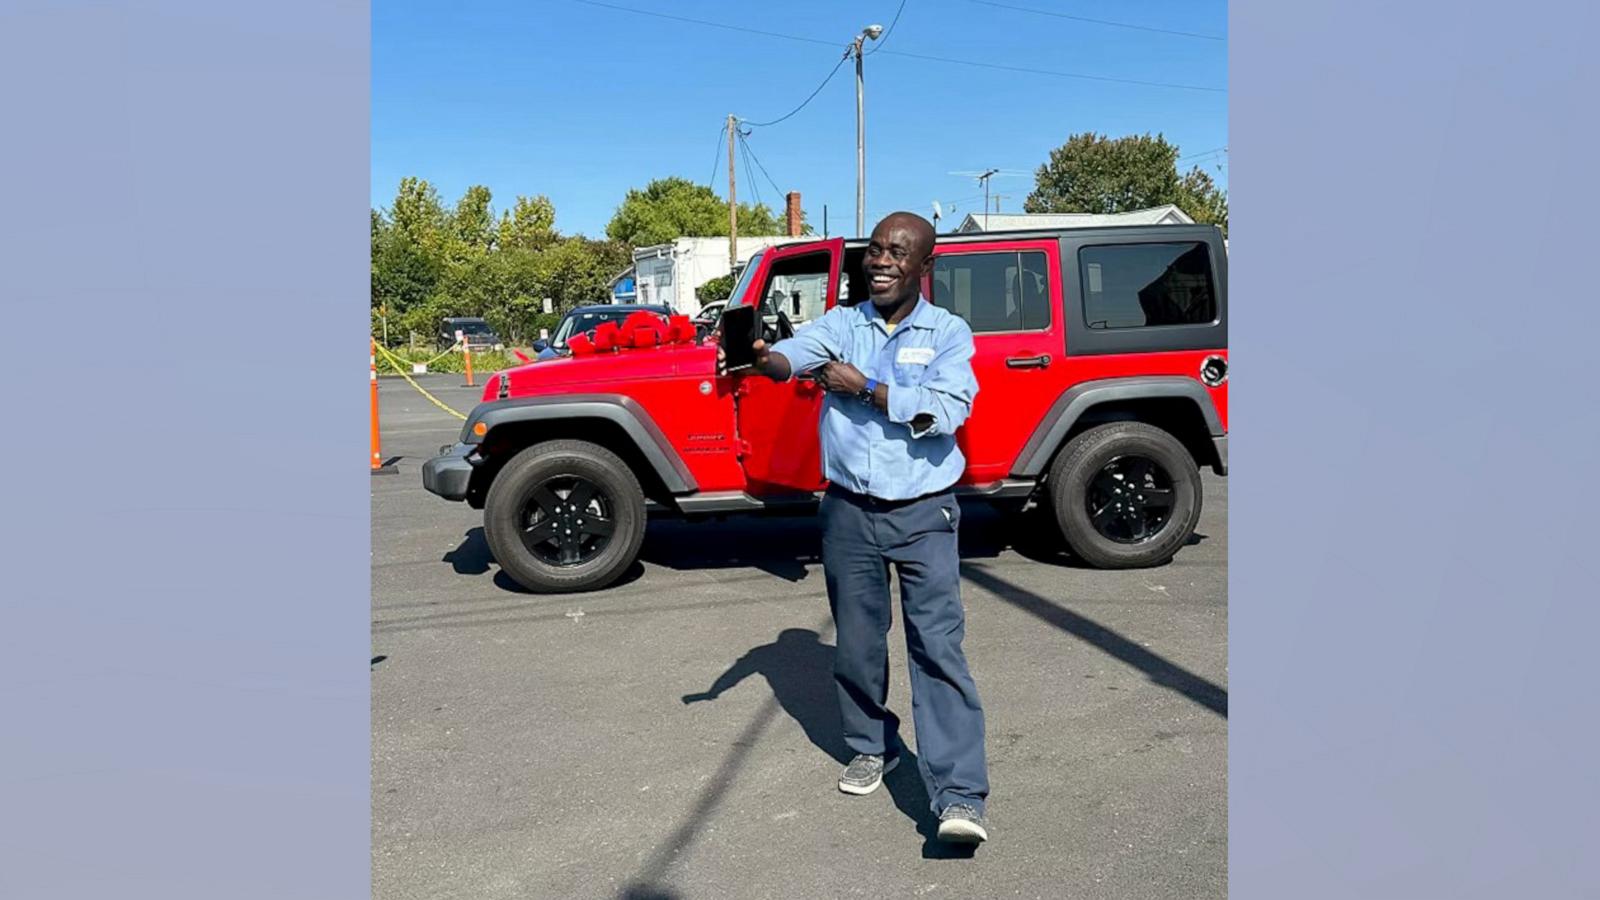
column 871, row 32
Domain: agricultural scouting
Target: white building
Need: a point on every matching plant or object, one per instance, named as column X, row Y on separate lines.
column 669, row 273
column 1157, row 215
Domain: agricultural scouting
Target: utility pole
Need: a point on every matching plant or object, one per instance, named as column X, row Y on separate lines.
column 861, row 147
column 733, row 201
column 872, row 32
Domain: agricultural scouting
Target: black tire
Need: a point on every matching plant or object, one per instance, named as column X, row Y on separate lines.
column 512, row 509
column 1125, row 452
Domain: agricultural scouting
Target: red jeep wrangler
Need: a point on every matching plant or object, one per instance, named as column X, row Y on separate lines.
column 1102, row 370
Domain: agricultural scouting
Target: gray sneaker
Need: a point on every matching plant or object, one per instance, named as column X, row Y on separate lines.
column 961, row 824
column 865, row 773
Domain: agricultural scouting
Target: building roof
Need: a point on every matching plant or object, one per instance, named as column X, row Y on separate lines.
column 1158, row 215
column 625, row 273
column 748, row 244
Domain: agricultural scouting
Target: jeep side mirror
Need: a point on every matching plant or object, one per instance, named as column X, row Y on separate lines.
column 540, row 345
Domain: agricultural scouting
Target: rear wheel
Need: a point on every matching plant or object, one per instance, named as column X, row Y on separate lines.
column 564, row 516
column 1125, row 495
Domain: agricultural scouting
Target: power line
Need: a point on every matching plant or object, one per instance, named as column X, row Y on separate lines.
column 716, row 158
column 1205, row 153
column 943, row 59
column 803, row 102
column 755, row 186
column 1047, row 12
column 968, row 62
column 763, row 168
column 891, row 29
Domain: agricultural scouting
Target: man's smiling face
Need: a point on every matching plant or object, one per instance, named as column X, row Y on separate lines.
column 896, row 259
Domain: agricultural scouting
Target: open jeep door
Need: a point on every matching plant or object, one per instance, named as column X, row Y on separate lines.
column 777, row 423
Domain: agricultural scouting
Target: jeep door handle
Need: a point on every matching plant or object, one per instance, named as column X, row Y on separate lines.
column 1028, row 362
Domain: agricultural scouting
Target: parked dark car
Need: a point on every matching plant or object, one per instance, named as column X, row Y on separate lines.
column 586, row 318
column 476, row 331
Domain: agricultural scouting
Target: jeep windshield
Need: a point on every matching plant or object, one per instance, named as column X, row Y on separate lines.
column 736, row 296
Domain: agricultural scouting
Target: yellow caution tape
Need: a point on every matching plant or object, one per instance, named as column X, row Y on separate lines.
column 453, row 348
column 399, row 367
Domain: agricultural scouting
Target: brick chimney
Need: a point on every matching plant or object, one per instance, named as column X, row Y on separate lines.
column 791, row 213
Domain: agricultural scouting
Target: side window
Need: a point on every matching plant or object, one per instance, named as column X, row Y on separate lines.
column 1140, row 285
column 798, row 287
column 1003, row 291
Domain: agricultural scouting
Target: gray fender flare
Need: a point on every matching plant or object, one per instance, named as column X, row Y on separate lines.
column 1079, row 399
column 625, row 412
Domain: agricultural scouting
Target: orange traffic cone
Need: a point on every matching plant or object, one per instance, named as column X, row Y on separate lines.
column 378, row 468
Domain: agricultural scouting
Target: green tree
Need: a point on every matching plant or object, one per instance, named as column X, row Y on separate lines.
column 1199, row 196
column 577, row 271
column 404, row 274
column 670, row 208
column 429, row 263
column 528, row 225
column 472, row 221
column 716, row 289
column 417, row 213
column 1098, row 174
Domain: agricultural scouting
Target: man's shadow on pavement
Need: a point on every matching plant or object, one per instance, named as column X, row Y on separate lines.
column 799, row 669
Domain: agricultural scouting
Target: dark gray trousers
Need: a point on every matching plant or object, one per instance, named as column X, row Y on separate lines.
column 861, row 536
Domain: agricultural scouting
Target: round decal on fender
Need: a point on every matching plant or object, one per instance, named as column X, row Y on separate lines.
column 705, row 388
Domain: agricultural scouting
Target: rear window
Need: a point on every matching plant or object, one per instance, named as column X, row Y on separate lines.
column 994, row 291
column 1145, row 285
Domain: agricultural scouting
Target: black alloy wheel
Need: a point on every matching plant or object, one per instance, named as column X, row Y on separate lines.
column 568, row 521
column 1130, row 499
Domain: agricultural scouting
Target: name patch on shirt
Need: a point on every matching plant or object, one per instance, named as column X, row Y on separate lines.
column 919, row 356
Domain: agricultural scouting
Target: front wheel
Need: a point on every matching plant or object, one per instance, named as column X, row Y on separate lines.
column 1126, row 495
column 564, row 516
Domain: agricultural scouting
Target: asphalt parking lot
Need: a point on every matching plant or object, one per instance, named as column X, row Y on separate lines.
column 539, row 746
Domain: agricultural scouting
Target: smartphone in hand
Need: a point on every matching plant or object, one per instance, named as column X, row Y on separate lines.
column 739, row 334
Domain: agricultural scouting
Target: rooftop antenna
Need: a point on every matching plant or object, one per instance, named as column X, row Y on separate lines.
column 983, row 179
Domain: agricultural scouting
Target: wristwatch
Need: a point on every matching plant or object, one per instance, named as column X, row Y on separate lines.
column 866, row 393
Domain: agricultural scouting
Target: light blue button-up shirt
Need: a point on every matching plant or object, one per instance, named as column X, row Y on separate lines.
column 926, row 362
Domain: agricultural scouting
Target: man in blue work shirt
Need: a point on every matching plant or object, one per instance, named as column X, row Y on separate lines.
column 898, row 371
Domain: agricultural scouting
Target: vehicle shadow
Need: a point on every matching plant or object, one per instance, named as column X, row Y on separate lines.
column 472, row 557
column 790, row 547
column 798, row 668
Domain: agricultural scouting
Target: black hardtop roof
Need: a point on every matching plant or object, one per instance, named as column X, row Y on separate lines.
column 1196, row 231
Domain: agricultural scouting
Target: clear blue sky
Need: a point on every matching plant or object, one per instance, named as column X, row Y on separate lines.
column 581, row 102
